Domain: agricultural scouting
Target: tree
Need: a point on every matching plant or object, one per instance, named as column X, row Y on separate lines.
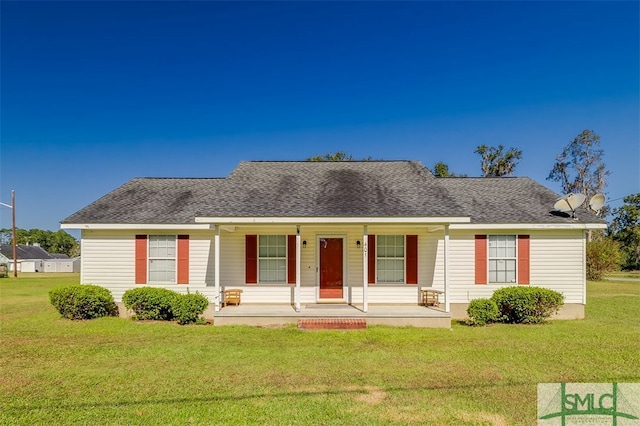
column 336, row 156
column 579, row 168
column 53, row 242
column 495, row 163
column 441, row 169
column 603, row 256
column 625, row 229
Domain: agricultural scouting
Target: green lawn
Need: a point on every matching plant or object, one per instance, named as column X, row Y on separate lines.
column 625, row 274
column 114, row 371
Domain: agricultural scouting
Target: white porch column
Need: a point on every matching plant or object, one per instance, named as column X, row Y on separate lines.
column 216, row 247
column 585, row 239
column 297, row 296
column 447, row 305
column 365, row 269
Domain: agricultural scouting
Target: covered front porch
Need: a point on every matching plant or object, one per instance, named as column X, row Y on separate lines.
column 329, row 260
column 273, row 315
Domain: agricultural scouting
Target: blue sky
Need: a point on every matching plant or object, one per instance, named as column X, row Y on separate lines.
column 96, row 93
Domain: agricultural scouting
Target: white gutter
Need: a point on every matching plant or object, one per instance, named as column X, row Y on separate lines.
column 520, row 226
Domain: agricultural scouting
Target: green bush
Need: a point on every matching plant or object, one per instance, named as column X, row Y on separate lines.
column 482, row 311
column 603, row 257
column 528, row 305
column 187, row 308
column 150, row 303
column 83, row 301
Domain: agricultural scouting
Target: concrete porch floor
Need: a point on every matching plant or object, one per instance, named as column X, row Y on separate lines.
column 394, row 315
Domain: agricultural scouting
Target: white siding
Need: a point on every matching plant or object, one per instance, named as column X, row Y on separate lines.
column 389, row 294
column 556, row 262
column 201, row 258
column 108, row 259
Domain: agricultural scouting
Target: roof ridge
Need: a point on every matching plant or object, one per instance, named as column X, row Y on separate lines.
column 177, row 178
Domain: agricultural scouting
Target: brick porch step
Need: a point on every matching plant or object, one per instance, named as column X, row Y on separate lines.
column 332, row 324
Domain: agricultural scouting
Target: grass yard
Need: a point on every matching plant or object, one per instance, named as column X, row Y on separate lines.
column 114, row 371
column 625, row 274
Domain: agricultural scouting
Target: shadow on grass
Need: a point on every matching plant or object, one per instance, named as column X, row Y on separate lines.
column 342, row 392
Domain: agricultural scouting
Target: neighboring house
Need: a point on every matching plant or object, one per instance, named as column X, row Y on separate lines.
column 31, row 258
column 368, row 233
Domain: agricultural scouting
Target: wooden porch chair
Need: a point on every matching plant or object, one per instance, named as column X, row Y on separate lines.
column 430, row 297
column 231, row 295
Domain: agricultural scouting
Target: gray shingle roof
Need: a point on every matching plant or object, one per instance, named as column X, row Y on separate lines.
column 332, row 189
column 24, row 252
column 150, row 200
column 510, row 200
column 325, row 189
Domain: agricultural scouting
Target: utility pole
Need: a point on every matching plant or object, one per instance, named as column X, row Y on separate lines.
column 13, row 231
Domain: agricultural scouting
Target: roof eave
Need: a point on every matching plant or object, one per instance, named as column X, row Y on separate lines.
column 532, row 226
column 113, row 226
column 330, row 219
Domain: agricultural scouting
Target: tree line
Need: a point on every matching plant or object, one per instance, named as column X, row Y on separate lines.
column 59, row 242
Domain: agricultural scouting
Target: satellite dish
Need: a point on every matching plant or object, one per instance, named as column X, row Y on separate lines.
column 597, row 202
column 575, row 200
column 570, row 203
column 562, row 205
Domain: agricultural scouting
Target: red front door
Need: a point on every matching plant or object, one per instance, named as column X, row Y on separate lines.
column 331, row 268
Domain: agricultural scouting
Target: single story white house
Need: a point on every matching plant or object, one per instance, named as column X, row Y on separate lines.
column 32, row 258
column 370, row 234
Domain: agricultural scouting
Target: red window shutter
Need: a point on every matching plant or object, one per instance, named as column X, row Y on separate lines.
column 412, row 259
column 481, row 259
column 371, row 246
column 291, row 259
column 183, row 259
column 251, row 259
column 523, row 259
column 141, row 259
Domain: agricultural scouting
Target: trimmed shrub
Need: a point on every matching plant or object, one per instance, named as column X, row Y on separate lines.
column 527, row 305
column 150, row 303
column 482, row 311
column 78, row 302
column 187, row 308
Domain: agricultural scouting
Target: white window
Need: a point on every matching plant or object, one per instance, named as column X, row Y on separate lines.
column 272, row 258
column 390, row 258
column 162, row 258
column 502, row 258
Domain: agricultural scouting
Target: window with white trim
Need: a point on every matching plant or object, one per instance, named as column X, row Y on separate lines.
column 502, row 258
column 162, row 258
column 272, row 258
column 390, row 257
